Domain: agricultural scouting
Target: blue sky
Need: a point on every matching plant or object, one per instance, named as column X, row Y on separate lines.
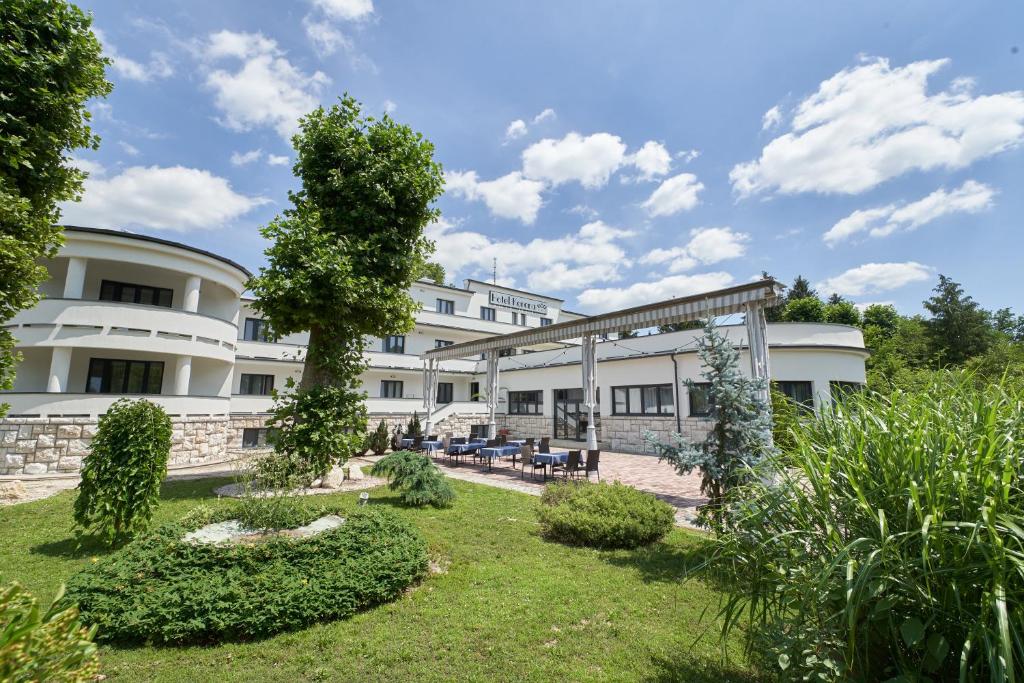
column 606, row 153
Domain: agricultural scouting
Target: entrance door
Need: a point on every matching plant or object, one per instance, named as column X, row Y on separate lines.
column 570, row 415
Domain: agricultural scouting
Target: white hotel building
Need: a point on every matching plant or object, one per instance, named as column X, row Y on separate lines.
column 131, row 315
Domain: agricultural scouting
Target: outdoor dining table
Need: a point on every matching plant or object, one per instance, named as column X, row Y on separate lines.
column 550, row 460
column 428, row 445
column 459, row 449
column 499, row 452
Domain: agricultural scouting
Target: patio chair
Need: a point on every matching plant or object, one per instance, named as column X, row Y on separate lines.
column 528, row 461
column 433, row 437
column 502, row 439
column 593, row 459
column 544, row 447
column 417, row 443
column 545, row 441
column 571, row 468
column 453, row 441
column 530, row 441
column 491, row 443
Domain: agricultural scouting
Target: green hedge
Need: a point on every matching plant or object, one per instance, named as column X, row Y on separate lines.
column 603, row 515
column 160, row 589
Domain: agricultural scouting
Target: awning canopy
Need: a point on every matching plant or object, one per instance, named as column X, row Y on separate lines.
column 762, row 293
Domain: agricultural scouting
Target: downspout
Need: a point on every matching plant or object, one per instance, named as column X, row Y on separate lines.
column 675, row 388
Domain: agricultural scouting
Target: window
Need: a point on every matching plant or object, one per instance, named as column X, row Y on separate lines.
column 544, row 322
column 135, row 294
column 519, row 318
column 255, row 330
column 525, row 402
column 446, row 306
column 390, row 388
column 445, row 392
column 255, row 437
column 700, row 399
column 394, row 344
column 474, row 391
column 441, row 343
column 840, row 389
column 256, row 385
column 652, row 399
column 486, row 313
column 800, row 393
column 502, row 353
column 109, row 376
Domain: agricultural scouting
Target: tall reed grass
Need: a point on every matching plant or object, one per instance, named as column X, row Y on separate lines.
column 888, row 542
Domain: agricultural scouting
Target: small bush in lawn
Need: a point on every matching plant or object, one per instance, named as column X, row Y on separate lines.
column 122, row 474
column 380, row 439
column 416, row 478
column 43, row 646
column 160, row 589
column 888, row 543
column 603, row 515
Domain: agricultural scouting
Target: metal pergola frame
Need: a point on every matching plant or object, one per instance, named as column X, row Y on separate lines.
column 750, row 299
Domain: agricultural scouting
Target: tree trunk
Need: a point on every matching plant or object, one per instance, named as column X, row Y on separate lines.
column 313, row 373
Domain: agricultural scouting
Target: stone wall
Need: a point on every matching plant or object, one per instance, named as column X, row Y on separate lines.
column 525, row 425
column 44, row 445
column 625, row 434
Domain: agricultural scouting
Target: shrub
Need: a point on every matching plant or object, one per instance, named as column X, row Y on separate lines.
column 380, row 439
column 48, row 646
column 161, row 589
column 122, row 474
column 603, row 515
column 414, row 428
column 888, row 543
column 417, row 480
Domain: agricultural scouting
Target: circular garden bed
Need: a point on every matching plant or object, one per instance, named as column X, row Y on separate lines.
column 163, row 589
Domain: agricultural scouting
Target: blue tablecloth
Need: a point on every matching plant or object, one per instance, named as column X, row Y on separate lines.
column 464, row 447
column 551, row 458
column 429, row 445
column 499, row 451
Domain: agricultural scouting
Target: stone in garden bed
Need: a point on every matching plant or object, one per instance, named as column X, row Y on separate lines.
column 233, row 531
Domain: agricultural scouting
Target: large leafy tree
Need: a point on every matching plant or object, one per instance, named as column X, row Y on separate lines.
column 50, row 66
column 340, row 265
column 959, row 328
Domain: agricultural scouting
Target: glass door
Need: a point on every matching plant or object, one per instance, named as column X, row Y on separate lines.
column 570, row 415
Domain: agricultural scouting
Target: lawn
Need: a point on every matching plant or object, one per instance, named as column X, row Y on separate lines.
column 506, row 605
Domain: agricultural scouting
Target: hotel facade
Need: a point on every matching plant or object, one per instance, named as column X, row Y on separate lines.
column 136, row 316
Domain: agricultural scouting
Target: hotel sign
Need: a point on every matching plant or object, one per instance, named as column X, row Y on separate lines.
column 518, row 302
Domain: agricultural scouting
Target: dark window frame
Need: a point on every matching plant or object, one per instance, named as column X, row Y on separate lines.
column 658, row 395
column 255, row 330
column 105, row 367
column 393, row 383
column 255, row 384
column 393, row 341
column 474, row 391
column 531, row 398
column 117, row 288
column 838, row 388
column 449, row 388
column 488, row 313
column 544, row 322
column 705, row 389
column 257, row 437
column 441, row 343
column 786, row 387
column 445, row 306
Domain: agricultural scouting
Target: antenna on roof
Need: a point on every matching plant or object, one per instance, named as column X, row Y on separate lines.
column 494, row 271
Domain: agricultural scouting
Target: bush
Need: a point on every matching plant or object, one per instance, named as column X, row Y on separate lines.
column 414, row 428
column 603, row 515
column 380, row 439
column 160, row 589
column 415, row 478
column 122, row 474
column 888, row 543
column 48, row 646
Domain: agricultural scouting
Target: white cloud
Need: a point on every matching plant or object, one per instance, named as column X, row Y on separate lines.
column 348, row 10
column 678, row 193
column 589, row 160
column 265, row 90
column 583, row 210
column 875, row 277
column 873, row 122
column 706, row 246
column 129, row 149
column 651, row 160
column 510, row 196
column 325, row 37
column 93, row 168
column 771, row 118
column 516, row 129
column 971, row 197
column 864, row 305
column 167, row 198
column 243, row 158
column 592, row 254
column 688, row 155
column 390, row 106
column 639, row 293
column 277, row 160
column 546, row 115
column 157, row 67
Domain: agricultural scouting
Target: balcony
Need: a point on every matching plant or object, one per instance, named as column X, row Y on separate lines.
column 94, row 405
column 79, row 323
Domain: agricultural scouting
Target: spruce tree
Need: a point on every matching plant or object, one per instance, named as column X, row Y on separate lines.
column 959, row 328
column 740, row 437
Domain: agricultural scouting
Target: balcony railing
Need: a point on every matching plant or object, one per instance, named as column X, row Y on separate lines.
column 94, row 405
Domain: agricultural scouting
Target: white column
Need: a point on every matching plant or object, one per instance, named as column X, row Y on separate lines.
column 589, row 358
column 182, row 375
column 492, row 392
column 191, row 303
column 74, row 281
column 60, row 366
column 429, row 393
column 757, row 343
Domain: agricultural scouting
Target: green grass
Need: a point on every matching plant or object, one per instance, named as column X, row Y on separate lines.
column 508, row 605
